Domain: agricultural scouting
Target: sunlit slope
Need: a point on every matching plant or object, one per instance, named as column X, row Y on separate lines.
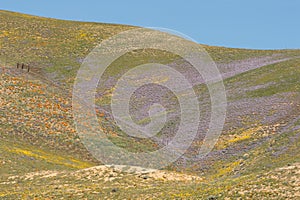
column 58, row 47
column 257, row 155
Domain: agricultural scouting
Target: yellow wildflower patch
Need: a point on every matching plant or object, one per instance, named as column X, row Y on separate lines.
column 51, row 158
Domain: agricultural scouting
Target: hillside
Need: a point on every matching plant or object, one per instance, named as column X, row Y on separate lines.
column 256, row 157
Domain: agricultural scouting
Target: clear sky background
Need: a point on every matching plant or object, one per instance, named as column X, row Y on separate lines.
column 259, row 24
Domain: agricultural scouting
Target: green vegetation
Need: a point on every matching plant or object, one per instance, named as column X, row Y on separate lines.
column 273, row 79
column 41, row 156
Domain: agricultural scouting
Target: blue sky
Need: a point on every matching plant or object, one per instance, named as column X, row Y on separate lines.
column 258, row 24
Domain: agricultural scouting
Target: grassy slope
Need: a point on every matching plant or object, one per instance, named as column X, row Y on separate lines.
column 55, row 48
column 59, row 46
